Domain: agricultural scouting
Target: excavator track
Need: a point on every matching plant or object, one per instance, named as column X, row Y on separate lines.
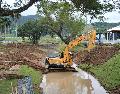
column 70, row 69
column 58, row 68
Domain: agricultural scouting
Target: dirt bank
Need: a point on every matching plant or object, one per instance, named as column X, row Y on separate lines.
column 98, row 55
column 12, row 54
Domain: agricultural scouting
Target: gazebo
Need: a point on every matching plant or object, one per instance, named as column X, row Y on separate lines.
column 113, row 35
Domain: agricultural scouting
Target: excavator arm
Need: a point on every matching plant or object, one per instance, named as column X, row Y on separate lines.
column 66, row 57
column 90, row 36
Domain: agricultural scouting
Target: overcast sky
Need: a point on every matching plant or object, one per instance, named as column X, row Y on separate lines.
column 112, row 16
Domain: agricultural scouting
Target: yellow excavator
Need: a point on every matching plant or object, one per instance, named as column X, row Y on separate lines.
column 65, row 61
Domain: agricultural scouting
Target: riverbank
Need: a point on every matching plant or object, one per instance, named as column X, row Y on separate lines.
column 18, row 61
column 10, row 83
column 108, row 72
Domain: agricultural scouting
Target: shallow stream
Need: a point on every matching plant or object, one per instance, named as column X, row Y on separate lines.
column 71, row 83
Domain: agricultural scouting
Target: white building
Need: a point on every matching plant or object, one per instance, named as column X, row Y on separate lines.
column 113, row 35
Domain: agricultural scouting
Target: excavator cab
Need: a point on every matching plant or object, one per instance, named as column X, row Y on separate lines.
column 54, row 64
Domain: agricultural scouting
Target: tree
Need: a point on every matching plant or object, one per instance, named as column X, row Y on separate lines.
column 91, row 7
column 59, row 18
column 7, row 11
column 32, row 30
column 4, row 24
column 4, row 20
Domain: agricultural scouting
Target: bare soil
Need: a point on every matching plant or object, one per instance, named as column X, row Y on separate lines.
column 98, row 55
column 21, row 54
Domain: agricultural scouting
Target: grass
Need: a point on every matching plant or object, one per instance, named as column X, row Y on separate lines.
column 13, row 39
column 1, row 47
column 36, row 76
column 48, row 40
column 5, row 85
column 28, row 71
column 43, row 40
column 108, row 73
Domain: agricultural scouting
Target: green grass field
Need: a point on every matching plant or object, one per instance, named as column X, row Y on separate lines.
column 108, row 73
column 48, row 39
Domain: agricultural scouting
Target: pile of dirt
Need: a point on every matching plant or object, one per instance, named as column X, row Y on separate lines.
column 25, row 54
column 98, row 55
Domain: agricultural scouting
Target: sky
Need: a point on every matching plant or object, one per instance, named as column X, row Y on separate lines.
column 112, row 17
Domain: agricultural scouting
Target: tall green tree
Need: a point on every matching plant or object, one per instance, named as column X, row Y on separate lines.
column 5, row 20
column 32, row 30
column 60, row 18
column 4, row 24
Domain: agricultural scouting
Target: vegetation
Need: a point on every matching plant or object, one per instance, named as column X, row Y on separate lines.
column 14, row 39
column 102, row 27
column 4, row 24
column 47, row 39
column 4, row 20
column 5, row 85
column 64, row 23
column 91, row 7
column 28, row 71
column 108, row 73
column 32, row 30
column 24, row 19
column 58, row 18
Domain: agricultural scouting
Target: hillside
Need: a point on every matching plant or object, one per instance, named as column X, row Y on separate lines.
column 101, row 26
column 23, row 19
column 104, row 26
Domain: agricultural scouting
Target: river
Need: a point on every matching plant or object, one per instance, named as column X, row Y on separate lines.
column 71, row 83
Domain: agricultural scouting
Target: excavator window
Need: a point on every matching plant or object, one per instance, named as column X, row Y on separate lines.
column 85, row 44
column 62, row 55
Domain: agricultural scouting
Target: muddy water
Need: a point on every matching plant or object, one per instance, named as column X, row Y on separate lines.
column 71, row 83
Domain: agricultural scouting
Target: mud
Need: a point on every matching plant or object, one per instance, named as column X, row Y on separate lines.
column 71, row 83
